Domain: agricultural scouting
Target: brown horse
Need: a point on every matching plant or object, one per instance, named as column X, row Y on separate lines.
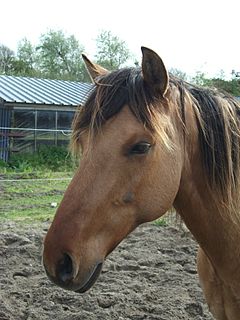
column 150, row 141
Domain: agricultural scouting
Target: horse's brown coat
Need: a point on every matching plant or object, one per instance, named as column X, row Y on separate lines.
column 193, row 164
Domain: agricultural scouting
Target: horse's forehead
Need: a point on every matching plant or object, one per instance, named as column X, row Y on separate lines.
column 124, row 117
column 119, row 128
column 123, row 124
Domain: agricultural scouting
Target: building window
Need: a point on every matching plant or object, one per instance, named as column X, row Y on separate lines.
column 23, row 140
column 64, row 121
column 33, row 128
column 24, row 119
column 46, row 120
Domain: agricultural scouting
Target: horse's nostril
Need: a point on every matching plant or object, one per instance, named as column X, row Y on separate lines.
column 65, row 270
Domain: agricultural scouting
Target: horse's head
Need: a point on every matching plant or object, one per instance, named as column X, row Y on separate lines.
column 129, row 172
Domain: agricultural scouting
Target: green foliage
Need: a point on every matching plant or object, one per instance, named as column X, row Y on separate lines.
column 179, row 73
column 3, row 166
column 56, row 57
column 25, row 64
column 112, row 52
column 60, row 55
column 161, row 222
column 232, row 86
column 47, row 157
column 7, row 60
column 200, row 79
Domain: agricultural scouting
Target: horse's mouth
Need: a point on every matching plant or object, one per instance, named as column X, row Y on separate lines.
column 92, row 279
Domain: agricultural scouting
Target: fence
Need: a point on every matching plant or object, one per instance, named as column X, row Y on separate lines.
column 31, row 199
column 37, row 199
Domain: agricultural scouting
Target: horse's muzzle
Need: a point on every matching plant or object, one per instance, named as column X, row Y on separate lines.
column 66, row 275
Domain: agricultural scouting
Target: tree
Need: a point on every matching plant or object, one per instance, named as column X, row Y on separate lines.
column 112, row 53
column 25, row 64
column 232, row 86
column 59, row 56
column 7, row 59
column 179, row 73
column 200, row 79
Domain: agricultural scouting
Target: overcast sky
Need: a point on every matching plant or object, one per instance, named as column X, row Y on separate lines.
column 189, row 35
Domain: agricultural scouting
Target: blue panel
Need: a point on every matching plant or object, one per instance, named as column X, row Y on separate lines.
column 5, row 118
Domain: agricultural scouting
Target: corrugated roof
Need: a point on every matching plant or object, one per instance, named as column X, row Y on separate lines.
column 43, row 91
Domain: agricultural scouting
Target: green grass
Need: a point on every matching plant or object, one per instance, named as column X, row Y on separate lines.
column 46, row 158
column 160, row 222
column 30, row 200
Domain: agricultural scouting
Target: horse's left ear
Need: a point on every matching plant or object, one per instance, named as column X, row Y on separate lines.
column 94, row 70
column 154, row 71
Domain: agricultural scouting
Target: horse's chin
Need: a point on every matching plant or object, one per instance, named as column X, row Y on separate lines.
column 91, row 280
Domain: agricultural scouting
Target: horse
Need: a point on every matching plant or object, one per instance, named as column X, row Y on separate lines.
column 149, row 142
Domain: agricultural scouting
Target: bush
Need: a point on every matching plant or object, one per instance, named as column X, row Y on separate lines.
column 3, row 166
column 47, row 157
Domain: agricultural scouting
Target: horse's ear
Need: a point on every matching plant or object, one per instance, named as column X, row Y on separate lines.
column 154, row 71
column 93, row 69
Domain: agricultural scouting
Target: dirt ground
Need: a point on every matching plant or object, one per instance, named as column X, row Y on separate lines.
column 151, row 275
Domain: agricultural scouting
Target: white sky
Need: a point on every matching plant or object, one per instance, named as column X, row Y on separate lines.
column 189, row 35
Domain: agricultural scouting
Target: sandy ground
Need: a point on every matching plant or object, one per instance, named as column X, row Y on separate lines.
column 151, row 275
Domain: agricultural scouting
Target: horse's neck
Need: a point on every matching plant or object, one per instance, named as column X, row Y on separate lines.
column 217, row 234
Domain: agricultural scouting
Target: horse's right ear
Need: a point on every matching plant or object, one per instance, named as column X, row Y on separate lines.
column 93, row 69
column 154, row 71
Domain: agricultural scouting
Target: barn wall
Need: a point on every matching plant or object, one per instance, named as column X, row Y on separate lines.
column 5, row 121
column 30, row 128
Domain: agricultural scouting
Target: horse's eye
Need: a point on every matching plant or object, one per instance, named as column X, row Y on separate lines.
column 140, row 148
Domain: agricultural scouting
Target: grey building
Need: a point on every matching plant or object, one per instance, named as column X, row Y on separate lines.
column 37, row 111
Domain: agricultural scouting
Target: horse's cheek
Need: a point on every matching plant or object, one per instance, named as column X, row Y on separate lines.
column 156, row 196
